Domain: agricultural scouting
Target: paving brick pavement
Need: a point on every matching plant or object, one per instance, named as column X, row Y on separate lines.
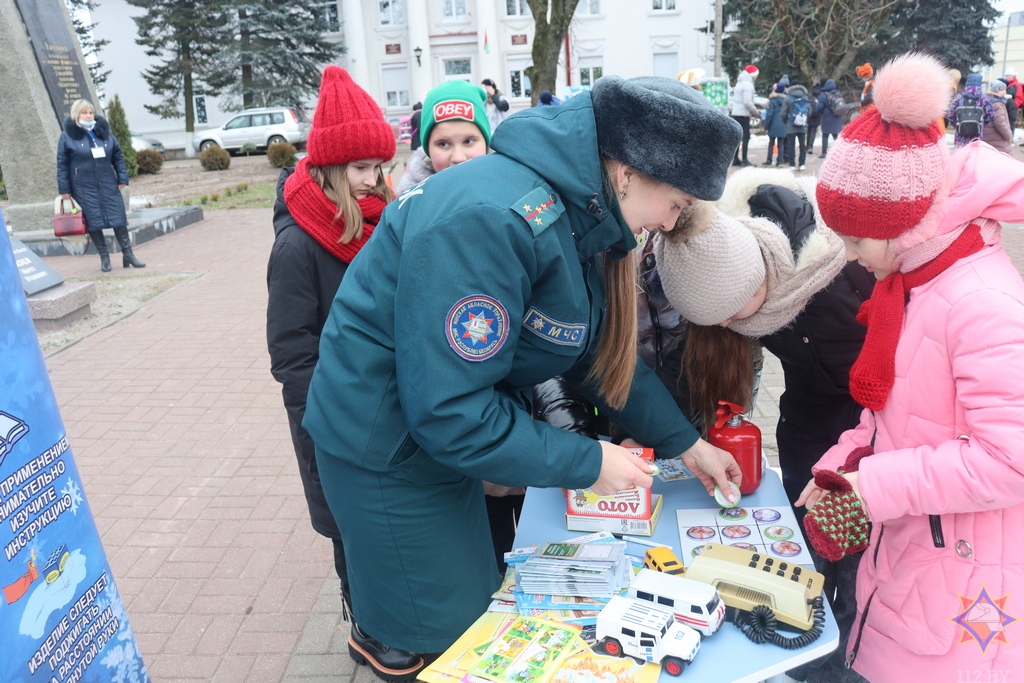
column 179, row 432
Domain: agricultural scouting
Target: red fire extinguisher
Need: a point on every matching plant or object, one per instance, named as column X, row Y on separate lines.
column 741, row 437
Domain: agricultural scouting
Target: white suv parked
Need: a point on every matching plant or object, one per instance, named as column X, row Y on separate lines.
column 261, row 127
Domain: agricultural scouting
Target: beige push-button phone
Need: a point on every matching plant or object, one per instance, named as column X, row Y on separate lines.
column 746, row 578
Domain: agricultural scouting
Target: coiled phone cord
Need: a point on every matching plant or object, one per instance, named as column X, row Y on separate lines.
column 760, row 625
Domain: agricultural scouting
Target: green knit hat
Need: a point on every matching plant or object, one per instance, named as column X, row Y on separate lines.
column 455, row 101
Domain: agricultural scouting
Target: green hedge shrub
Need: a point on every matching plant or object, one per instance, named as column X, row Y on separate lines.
column 215, row 159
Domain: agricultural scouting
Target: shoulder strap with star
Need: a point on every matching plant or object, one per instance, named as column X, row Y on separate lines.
column 539, row 208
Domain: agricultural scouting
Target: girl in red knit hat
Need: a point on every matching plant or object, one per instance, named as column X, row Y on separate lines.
column 932, row 479
column 326, row 210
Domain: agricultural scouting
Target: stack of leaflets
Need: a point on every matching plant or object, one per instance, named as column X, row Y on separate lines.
column 589, row 570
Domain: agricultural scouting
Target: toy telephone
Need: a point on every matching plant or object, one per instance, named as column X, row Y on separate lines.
column 747, row 579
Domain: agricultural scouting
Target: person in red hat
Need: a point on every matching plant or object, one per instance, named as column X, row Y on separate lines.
column 935, row 464
column 326, row 210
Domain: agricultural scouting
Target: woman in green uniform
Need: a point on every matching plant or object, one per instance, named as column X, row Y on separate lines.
column 477, row 284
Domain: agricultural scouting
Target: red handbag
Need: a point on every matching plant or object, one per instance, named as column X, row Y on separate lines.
column 68, row 223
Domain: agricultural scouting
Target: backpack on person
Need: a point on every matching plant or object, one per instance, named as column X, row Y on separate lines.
column 799, row 112
column 969, row 119
column 835, row 101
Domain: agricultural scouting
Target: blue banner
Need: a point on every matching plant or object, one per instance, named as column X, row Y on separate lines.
column 61, row 618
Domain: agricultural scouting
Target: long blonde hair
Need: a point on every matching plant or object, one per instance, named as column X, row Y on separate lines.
column 333, row 180
column 613, row 368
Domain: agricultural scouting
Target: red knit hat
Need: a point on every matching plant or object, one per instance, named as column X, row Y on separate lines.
column 348, row 125
column 881, row 177
column 751, row 69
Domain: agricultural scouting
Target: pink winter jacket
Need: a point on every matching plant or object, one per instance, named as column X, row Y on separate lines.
column 945, row 487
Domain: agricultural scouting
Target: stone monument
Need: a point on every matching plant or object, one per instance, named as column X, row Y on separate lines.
column 42, row 72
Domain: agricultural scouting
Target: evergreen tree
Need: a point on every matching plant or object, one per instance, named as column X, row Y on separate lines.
column 186, row 35
column 955, row 32
column 275, row 56
column 119, row 127
column 78, row 9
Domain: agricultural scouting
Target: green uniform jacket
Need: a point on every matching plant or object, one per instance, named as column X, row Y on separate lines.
column 478, row 283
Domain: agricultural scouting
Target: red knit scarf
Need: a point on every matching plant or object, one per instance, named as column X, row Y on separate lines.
column 873, row 373
column 315, row 213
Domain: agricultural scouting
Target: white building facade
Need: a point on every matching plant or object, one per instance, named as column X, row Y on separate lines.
column 399, row 49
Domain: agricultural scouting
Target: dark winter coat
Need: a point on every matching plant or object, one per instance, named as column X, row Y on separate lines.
column 92, row 182
column 774, row 124
column 662, row 336
column 831, row 121
column 815, row 118
column 795, row 93
column 1011, row 105
column 816, row 349
column 302, row 279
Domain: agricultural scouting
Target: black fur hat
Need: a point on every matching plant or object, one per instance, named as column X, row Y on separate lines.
column 666, row 130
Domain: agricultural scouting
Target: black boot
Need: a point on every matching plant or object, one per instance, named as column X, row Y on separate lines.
column 127, row 256
column 388, row 663
column 101, row 248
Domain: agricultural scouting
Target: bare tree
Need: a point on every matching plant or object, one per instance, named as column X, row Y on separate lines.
column 823, row 37
column 551, row 19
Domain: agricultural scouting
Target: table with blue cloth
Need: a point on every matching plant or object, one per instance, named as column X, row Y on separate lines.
column 727, row 656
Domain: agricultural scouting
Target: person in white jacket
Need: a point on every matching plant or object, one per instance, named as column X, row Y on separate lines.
column 743, row 109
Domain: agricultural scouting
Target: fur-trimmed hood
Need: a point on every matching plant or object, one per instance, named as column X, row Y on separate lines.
column 794, row 272
column 743, row 185
column 76, row 132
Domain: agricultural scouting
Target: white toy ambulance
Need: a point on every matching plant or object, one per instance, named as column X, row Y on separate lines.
column 627, row 627
column 694, row 603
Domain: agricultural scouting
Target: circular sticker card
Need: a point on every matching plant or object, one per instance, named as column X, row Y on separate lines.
column 767, row 515
column 786, row 548
column 733, row 514
column 736, row 531
column 778, row 533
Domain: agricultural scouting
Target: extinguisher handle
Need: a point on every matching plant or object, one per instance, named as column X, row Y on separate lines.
column 726, row 410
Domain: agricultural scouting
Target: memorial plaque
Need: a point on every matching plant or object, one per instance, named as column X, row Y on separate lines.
column 35, row 275
column 393, row 49
column 519, row 39
column 55, row 50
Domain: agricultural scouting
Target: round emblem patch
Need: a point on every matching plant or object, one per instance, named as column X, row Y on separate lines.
column 477, row 327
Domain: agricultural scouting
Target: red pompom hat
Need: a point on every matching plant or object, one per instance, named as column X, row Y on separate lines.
column 348, row 125
column 882, row 174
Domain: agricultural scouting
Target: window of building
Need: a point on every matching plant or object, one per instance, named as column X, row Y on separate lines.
column 519, row 82
column 329, row 16
column 395, row 81
column 458, row 69
column 664, row 5
column 591, row 69
column 666, row 64
column 392, row 13
column 517, row 8
column 588, row 7
column 453, row 10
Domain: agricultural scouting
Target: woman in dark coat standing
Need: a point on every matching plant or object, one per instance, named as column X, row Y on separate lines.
column 91, row 170
column 831, row 116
